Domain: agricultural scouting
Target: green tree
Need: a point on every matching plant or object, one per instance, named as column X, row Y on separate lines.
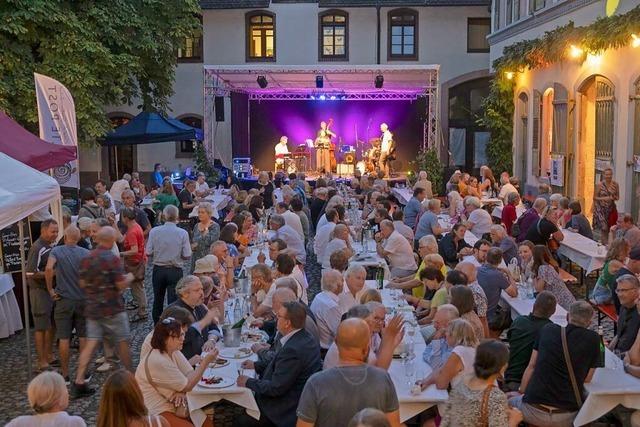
column 105, row 52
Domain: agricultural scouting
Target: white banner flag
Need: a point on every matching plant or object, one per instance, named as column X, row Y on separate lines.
column 57, row 117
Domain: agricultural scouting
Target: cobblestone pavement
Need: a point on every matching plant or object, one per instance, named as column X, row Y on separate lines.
column 13, row 366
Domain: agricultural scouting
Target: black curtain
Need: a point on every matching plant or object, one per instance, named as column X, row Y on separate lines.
column 240, row 125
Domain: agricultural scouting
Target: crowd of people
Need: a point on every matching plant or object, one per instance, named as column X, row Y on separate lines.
column 327, row 357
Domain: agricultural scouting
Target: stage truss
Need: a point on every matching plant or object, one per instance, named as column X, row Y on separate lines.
column 341, row 82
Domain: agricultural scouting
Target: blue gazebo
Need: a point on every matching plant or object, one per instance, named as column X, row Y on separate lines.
column 151, row 128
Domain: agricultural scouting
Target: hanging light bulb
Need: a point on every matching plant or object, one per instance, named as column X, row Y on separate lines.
column 509, row 75
column 575, row 51
column 635, row 40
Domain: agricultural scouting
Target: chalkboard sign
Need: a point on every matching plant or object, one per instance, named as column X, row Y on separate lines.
column 11, row 247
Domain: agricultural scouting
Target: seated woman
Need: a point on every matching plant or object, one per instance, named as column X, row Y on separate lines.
column 166, row 196
column 546, row 277
column 48, row 397
column 509, row 214
column 433, row 280
column 456, row 207
column 604, row 290
column 122, row 402
column 472, row 188
column 452, row 247
column 246, row 228
column 525, row 258
column 578, row 223
column 477, row 401
column 369, row 295
column 565, row 208
column 229, row 235
column 256, row 207
column 462, row 299
column 164, row 374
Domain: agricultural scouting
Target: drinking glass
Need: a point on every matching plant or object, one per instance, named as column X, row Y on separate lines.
column 410, row 369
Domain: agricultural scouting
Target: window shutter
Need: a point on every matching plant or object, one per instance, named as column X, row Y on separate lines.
column 559, row 134
column 604, row 118
column 535, row 142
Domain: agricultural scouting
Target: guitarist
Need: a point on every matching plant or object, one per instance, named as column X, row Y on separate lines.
column 387, row 148
column 323, row 143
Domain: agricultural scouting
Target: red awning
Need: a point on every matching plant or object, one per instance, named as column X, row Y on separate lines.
column 22, row 145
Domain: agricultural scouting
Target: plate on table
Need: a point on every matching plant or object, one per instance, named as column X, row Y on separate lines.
column 219, row 363
column 236, row 353
column 255, row 336
column 214, row 381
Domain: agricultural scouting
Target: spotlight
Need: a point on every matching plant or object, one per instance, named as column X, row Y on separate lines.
column 635, row 41
column 313, row 97
column 379, row 82
column 509, row 75
column 333, row 97
column 322, row 97
column 575, row 51
column 319, row 82
column 262, row 82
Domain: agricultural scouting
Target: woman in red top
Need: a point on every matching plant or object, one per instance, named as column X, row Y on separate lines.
column 134, row 260
column 509, row 215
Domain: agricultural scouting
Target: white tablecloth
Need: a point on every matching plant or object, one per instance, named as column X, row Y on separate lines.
column 10, row 320
column 410, row 405
column 497, row 211
column 403, row 194
column 252, row 258
column 445, row 222
column 586, row 253
column 610, row 387
column 218, row 202
column 369, row 258
column 200, row 397
column 521, row 307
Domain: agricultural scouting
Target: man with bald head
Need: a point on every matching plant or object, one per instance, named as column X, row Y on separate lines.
column 326, row 309
column 339, row 242
column 332, row 397
column 480, row 302
column 393, row 246
column 438, row 350
column 64, row 264
column 103, row 279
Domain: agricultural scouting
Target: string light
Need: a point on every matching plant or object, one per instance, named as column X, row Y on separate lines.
column 575, row 51
column 594, row 60
column 509, row 75
column 635, row 41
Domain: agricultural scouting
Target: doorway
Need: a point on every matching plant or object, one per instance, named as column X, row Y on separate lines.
column 522, row 135
column 121, row 159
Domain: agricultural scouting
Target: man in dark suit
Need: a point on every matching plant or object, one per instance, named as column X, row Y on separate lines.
column 281, row 381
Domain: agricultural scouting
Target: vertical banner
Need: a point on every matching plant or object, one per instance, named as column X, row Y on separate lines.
column 557, row 171
column 57, row 118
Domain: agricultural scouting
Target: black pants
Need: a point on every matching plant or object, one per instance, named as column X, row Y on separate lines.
column 164, row 280
column 244, row 420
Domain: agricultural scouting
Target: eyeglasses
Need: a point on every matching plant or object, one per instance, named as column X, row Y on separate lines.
column 620, row 291
column 168, row 320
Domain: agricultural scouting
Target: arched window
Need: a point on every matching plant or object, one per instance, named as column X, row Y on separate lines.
column 403, row 34
column 187, row 148
column 333, row 37
column 261, row 36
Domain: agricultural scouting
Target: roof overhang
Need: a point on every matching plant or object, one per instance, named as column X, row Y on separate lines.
column 341, row 80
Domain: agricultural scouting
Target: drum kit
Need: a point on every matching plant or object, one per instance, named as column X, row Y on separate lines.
column 370, row 156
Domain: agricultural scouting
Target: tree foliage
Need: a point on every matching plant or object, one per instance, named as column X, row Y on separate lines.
column 105, row 52
column 428, row 161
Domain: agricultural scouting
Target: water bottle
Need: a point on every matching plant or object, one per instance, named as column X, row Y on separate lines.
column 601, row 355
column 380, row 276
column 237, row 310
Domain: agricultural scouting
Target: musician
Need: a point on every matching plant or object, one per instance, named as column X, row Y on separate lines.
column 281, row 150
column 386, row 148
column 323, row 143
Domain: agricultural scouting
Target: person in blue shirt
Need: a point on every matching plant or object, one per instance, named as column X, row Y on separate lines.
column 157, row 174
column 438, row 350
column 414, row 206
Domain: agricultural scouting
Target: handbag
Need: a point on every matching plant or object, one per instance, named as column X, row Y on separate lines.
column 484, row 408
column 572, row 376
column 182, row 411
column 502, row 319
column 612, row 219
column 552, row 243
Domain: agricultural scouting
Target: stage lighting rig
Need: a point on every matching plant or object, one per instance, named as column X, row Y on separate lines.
column 319, row 82
column 262, row 82
column 379, row 81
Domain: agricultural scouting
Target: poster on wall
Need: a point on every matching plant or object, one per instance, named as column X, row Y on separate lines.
column 557, row 171
column 601, row 164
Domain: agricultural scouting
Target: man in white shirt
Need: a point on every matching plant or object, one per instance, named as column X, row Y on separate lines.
column 396, row 249
column 323, row 234
column 290, row 218
column 326, row 309
column 340, row 241
column 479, row 221
column 401, row 227
column 385, row 147
column 281, row 149
column 117, row 188
column 354, row 278
column 507, row 188
column 294, row 242
column 202, row 188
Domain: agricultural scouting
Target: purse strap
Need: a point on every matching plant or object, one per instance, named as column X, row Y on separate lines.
column 148, row 374
column 484, row 407
column 567, row 358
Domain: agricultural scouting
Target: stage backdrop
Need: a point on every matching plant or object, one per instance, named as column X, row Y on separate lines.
column 300, row 120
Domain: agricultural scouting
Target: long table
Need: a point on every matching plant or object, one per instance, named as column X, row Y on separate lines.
column 445, row 222
column 586, row 253
column 521, row 307
column 369, row 258
column 410, row 405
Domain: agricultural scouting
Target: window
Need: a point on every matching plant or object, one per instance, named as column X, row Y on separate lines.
column 509, row 15
column 516, row 10
column 187, row 148
column 477, row 31
column 604, row 118
column 191, row 48
column 333, row 35
column 536, row 5
column 403, row 34
column 496, row 15
column 261, row 36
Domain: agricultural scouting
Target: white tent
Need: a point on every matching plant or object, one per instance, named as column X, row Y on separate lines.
column 24, row 190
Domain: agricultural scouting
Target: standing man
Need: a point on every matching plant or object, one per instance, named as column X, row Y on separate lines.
column 157, row 175
column 323, row 143
column 117, row 188
column 64, row 262
column 39, row 298
column 103, row 279
column 135, row 260
column 101, row 190
column 129, row 201
column 185, row 197
column 169, row 247
column 386, row 147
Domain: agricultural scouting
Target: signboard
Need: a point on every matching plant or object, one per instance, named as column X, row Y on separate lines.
column 10, row 245
column 556, row 177
column 601, row 164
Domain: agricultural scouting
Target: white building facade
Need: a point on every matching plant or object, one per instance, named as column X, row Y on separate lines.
column 573, row 118
column 451, row 33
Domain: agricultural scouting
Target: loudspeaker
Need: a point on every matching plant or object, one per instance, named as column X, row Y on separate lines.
column 219, row 108
column 350, row 158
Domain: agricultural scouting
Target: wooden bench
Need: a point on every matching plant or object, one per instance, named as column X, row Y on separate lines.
column 607, row 310
column 567, row 278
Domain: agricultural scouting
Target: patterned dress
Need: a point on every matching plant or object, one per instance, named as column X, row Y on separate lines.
column 464, row 406
column 602, row 208
column 203, row 241
column 554, row 284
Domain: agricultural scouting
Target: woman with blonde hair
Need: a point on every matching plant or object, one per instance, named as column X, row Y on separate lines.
column 369, row 295
column 122, row 404
column 604, row 290
column 48, row 397
column 456, row 207
column 166, row 196
column 488, row 183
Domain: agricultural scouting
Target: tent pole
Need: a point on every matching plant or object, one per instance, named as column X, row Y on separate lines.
column 25, row 296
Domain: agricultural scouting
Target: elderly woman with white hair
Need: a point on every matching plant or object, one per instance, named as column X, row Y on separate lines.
column 424, row 183
column 48, row 397
column 456, row 205
column 205, row 232
column 479, row 221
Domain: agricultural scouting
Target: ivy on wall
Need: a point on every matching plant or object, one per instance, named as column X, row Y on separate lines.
column 554, row 46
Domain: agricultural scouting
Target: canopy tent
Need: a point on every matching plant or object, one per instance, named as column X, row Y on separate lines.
column 151, row 128
column 22, row 145
column 23, row 191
